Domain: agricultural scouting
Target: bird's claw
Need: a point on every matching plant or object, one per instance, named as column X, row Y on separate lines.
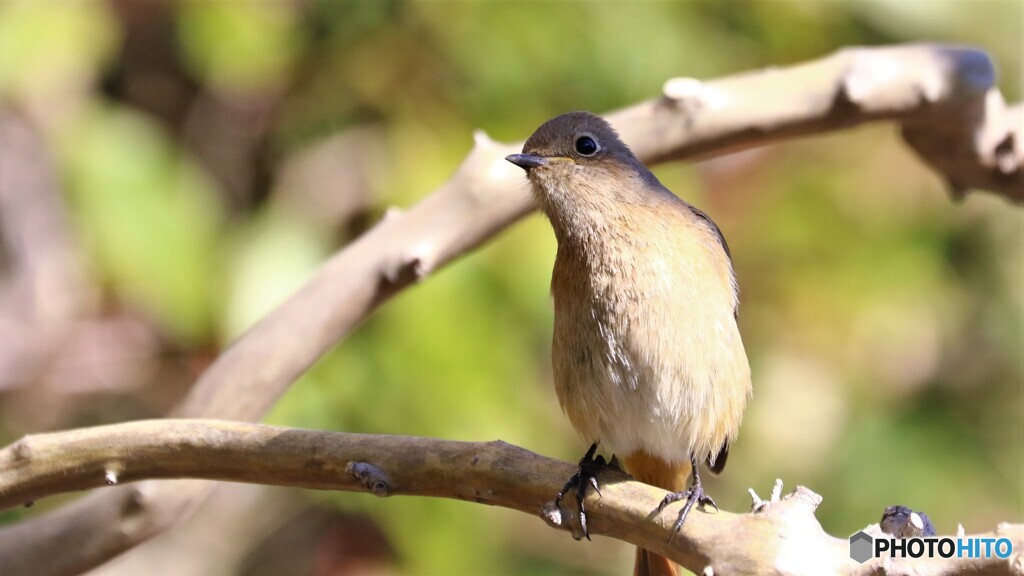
column 586, row 475
column 614, row 463
column 691, row 496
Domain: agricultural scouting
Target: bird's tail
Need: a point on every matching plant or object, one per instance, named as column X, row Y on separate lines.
column 672, row 477
column 650, row 564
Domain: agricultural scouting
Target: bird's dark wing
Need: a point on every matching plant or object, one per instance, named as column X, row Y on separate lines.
column 720, row 460
column 721, row 240
column 714, row 228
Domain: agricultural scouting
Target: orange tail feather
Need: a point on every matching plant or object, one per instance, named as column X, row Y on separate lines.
column 650, row 564
column 672, row 477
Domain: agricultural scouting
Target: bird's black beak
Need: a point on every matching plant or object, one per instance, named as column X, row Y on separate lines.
column 526, row 161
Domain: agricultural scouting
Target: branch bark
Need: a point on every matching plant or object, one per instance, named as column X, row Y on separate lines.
column 781, row 536
column 936, row 93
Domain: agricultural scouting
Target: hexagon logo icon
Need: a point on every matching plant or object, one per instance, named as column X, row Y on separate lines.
column 861, row 546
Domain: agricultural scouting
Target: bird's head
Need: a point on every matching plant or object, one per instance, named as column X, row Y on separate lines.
column 576, row 157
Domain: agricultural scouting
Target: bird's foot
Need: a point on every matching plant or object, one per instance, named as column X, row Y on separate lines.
column 692, row 495
column 586, row 475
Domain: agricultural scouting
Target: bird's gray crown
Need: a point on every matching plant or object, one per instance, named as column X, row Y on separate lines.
column 558, row 136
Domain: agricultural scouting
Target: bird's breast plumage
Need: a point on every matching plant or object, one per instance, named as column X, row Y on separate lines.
column 647, row 355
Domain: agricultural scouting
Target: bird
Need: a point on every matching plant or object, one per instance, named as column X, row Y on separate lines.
column 646, row 351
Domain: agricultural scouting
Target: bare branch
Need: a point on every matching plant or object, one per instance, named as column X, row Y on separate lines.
column 924, row 87
column 781, row 536
column 943, row 96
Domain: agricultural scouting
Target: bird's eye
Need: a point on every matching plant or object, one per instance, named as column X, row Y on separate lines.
column 586, row 146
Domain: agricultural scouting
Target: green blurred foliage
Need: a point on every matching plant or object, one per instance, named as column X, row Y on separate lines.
column 148, row 215
column 272, row 253
column 42, row 45
column 883, row 323
column 239, row 48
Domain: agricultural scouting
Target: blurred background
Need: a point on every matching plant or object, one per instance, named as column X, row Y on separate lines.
column 171, row 170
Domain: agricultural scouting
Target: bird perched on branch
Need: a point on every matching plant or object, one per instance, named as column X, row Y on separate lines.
column 647, row 354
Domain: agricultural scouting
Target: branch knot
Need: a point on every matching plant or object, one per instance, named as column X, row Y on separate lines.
column 370, row 477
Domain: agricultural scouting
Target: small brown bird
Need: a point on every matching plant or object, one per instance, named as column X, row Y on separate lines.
column 647, row 353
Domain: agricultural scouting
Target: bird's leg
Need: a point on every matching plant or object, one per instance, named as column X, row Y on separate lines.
column 692, row 495
column 586, row 475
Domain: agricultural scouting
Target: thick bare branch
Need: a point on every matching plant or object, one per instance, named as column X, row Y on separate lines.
column 781, row 536
column 943, row 96
column 910, row 84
